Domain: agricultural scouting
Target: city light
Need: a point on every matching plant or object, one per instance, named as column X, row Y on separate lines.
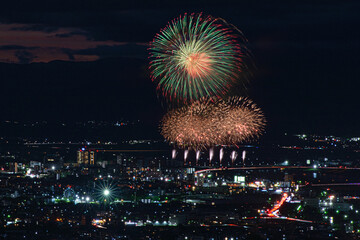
column 144, row 129
column 106, row 192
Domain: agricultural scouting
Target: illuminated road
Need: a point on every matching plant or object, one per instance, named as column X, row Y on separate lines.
column 290, row 219
column 274, row 211
column 330, row 184
column 274, row 167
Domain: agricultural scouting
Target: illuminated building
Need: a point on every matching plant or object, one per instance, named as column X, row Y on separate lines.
column 86, row 157
column 53, row 161
column 92, row 157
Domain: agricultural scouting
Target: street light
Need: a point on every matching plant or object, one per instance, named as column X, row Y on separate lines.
column 106, row 192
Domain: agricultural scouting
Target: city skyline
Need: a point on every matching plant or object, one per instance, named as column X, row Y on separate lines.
column 191, row 120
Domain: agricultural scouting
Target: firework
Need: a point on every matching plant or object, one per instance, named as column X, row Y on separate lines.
column 233, row 157
column 241, row 121
column 189, row 125
column 186, row 153
column 173, row 154
column 196, row 56
column 197, row 155
column 221, row 154
column 207, row 123
column 243, row 157
column 211, row 155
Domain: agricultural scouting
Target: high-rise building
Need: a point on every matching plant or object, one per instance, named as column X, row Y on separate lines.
column 86, row 157
column 92, row 157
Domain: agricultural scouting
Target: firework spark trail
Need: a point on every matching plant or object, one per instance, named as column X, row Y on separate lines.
column 197, row 156
column 211, row 155
column 173, row 154
column 221, row 155
column 196, row 56
column 186, row 153
column 207, row 123
column 233, row 157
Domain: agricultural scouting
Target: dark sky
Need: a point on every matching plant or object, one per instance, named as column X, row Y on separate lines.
column 80, row 60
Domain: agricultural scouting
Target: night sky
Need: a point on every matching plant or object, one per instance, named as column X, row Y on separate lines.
column 72, row 61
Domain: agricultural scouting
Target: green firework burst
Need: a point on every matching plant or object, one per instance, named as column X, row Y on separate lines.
column 195, row 57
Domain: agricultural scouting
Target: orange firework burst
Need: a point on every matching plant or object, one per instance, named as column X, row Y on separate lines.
column 207, row 123
column 189, row 125
column 242, row 121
